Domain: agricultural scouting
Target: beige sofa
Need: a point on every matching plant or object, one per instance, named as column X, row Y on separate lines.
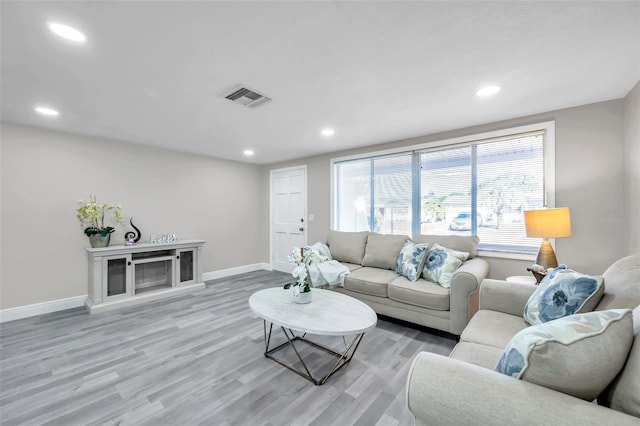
column 371, row 258
column 465, row 389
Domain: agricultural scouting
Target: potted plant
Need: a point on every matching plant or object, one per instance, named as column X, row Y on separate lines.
column 302, row 258
column 92, row 216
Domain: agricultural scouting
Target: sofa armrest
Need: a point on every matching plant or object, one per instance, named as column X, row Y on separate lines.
column 504, row 296
column 465, row 283
column 446, row 391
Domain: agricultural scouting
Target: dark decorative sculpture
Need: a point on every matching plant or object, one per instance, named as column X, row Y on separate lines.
column 132, row 237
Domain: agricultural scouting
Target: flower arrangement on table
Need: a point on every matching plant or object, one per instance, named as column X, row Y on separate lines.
column 303, row 258
column 92, row 216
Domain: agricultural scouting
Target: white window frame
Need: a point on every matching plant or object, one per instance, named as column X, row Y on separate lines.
column 549, row 129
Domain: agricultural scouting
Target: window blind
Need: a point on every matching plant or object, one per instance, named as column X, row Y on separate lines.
column 477, row 188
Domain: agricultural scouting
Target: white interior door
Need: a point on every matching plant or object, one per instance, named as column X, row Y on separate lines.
column 288, row 214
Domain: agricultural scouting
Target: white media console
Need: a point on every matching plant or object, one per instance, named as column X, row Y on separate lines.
column 128, row 275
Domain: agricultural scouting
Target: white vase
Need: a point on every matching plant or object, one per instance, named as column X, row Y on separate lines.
column 302, row 297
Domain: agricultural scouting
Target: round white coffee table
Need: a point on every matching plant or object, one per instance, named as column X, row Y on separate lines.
column 328, row 314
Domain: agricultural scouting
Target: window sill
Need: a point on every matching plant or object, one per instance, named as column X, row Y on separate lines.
column 507, row 255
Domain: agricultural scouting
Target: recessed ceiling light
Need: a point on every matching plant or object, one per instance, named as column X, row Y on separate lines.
column 49, row 112
column 67, row 32
column 328, row 132
column 488, row 90
column 248, row 152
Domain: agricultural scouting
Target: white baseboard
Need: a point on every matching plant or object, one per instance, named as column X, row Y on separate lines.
column 41, row 308
column 223, row 273
column 141, row 298
column 20, row 312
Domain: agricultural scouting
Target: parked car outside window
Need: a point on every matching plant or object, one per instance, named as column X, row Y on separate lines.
column 462, row 222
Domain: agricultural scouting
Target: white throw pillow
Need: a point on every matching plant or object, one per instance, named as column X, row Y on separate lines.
column 442, row 263
column 563, row 292
column 411, row 260
column 578, row 355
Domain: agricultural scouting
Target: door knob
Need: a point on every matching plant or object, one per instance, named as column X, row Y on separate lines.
column 301, row 229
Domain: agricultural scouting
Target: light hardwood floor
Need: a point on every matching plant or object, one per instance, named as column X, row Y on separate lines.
column 195, row 359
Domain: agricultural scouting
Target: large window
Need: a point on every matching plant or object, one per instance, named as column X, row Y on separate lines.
column 479, row 187
column 374, row 194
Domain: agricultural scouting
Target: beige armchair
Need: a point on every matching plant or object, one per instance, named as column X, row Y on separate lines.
column 464, row 389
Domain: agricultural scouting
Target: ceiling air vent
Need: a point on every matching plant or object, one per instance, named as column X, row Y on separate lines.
column 247, row 97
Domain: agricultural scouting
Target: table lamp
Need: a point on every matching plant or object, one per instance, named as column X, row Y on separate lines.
column 547, row 223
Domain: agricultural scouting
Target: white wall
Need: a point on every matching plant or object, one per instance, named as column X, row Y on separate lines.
column 589, row 180
column 632, row 167
column 44, row 173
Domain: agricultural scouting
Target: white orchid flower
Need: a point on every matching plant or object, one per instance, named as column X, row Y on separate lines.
column 300, row 272
column 295, row 256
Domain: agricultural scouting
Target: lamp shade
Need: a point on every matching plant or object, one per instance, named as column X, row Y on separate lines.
column 548, row 223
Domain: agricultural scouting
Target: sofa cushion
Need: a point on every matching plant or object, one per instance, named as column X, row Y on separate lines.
column 352, row 266
column 372, row 281
column 347, row 246
column 563, row 292
column 464, row 243
column 382, row 250
column 411, row 260
column 620, row 280
column 578, row 355
column 624, row 393
column 473, row 353
column 442, row 263
column 492, row 328
column 421, row 293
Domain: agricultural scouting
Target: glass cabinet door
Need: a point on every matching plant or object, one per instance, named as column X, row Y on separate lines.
column 117, row 276
column 185, row 267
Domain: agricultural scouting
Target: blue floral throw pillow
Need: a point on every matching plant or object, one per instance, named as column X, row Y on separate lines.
column 561, row 354
column 442, row 263
column 411, row 260
column 563, row 292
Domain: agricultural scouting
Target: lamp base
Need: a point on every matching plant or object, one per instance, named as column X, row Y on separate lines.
column 546, row 256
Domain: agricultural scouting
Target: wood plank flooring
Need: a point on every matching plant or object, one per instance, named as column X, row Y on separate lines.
column 195, row 359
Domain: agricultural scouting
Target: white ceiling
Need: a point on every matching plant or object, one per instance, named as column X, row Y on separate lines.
column 153, row 72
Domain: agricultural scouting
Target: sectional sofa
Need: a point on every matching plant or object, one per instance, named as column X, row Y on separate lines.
column 465, row 389
column 372, row 259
